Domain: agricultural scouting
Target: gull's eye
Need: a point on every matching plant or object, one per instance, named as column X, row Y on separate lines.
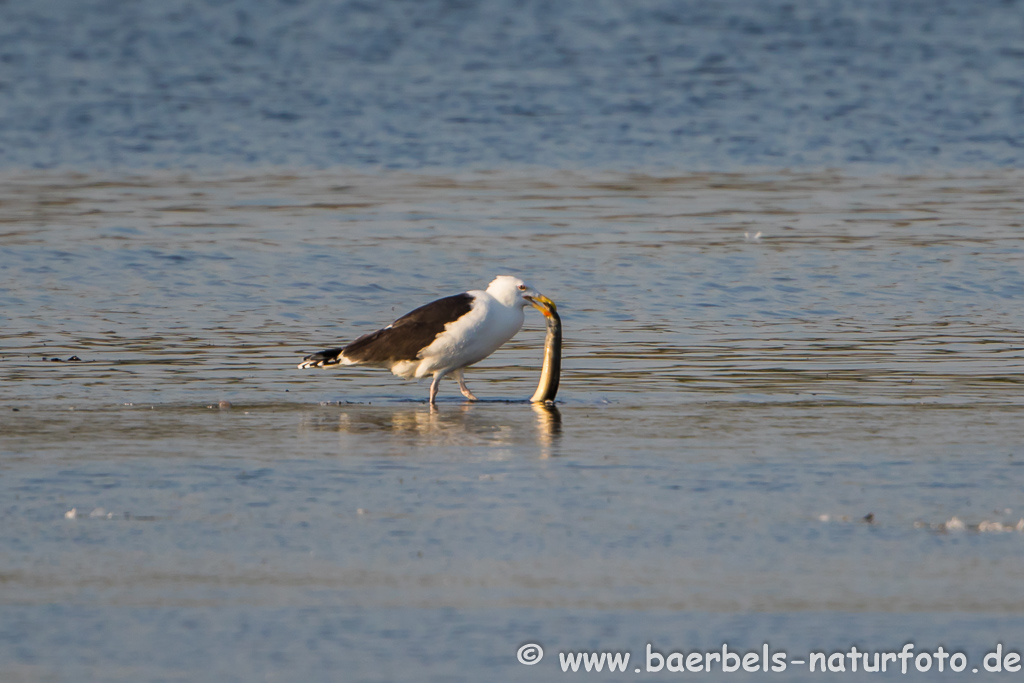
column 522, row 288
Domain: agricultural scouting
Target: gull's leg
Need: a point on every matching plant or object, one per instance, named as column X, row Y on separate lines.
column 433, row 386
column 457, row 374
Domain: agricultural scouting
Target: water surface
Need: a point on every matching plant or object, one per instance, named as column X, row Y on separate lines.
column 780, row 390
column 878, row 85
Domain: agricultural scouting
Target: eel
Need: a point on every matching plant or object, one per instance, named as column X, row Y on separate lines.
column 552, row 368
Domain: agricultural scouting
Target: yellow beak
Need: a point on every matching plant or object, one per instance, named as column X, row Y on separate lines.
column 542, row 304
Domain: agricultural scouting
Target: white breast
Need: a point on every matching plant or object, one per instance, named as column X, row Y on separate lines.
column 468, row 340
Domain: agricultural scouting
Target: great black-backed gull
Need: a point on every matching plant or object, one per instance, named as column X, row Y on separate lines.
column 444, row 336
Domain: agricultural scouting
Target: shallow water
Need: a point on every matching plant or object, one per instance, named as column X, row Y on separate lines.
column 758, row 438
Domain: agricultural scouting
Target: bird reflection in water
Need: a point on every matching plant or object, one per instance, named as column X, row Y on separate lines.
column 468, row 424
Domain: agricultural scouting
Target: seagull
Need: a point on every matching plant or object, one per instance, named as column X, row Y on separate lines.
column 442, row 337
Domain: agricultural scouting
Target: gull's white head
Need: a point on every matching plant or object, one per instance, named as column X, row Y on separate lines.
column 511, row 291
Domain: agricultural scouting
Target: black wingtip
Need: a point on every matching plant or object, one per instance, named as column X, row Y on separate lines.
column 321, row 359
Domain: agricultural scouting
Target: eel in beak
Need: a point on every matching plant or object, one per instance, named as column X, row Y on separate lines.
column 552, row 368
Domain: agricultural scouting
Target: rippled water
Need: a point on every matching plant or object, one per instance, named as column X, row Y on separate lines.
column 876, row 84
column 791, row 403
column 779, row 391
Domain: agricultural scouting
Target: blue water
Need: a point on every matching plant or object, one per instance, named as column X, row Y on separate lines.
column 866, row 84
column 809, row 438
column 785, row 239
